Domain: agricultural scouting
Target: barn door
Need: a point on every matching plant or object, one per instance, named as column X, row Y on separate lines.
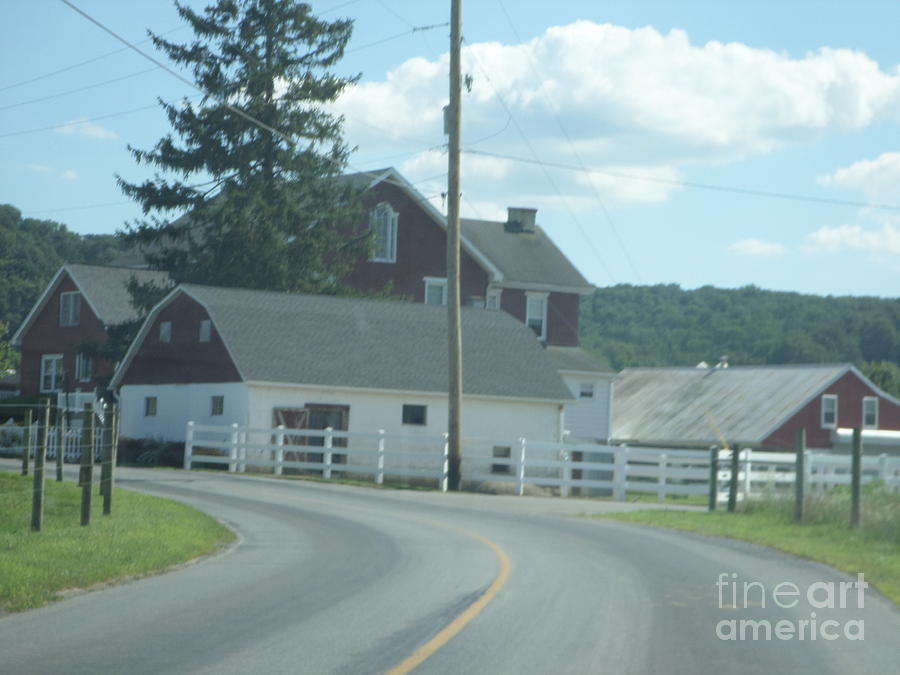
column 334, row 416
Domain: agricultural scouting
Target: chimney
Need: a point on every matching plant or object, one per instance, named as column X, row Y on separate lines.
column 520, row 219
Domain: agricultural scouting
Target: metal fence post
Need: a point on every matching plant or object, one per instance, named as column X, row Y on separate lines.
column 279, row 451
column 800, row 475
column 26, row 442
column 445, row 464
column 661, row 479
column 856, row 479
column 232, row 465
column 40, row 454
column 713, row 478
column 733, row 479
column 87, row 464
column 60, row 445
column 326, row 456
column 188, row 445
column 379, row 462
column 520, row 469
column 106, row 469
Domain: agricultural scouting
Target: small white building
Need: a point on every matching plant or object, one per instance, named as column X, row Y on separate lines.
column 219, row 356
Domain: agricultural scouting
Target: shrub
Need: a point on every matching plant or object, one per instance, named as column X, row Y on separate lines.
column 150, row 452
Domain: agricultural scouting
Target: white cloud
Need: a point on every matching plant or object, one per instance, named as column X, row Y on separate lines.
column 39, row 168
column 83, row 127
column 878, row 179
column 631, row 100
column 69, row 174
column 758, row 247
column 838, row 239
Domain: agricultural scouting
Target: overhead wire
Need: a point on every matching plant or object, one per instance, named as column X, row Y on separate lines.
column 49, row 97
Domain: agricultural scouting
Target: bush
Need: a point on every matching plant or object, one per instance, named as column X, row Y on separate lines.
column 150, row 452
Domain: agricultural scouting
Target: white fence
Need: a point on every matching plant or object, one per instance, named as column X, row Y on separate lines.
column 13, row 441
column 567, row 468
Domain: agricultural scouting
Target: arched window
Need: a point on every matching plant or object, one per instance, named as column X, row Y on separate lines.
column 384, row 224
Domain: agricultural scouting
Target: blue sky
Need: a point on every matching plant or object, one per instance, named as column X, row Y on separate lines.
column 638, row 98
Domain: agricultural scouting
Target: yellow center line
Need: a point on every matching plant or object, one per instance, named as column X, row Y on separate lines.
column 463, row 618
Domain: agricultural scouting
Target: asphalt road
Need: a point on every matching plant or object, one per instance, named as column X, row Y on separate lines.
column 337, row 579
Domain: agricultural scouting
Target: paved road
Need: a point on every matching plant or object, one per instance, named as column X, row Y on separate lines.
column 336, row 579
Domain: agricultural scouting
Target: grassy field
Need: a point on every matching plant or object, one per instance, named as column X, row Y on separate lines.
column 143, row 535
column 873, row 549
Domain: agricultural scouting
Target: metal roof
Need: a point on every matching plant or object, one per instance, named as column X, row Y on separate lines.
column 372, row 344
column 702, row 406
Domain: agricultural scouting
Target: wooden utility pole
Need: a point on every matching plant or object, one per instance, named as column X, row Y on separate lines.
column 40, row 454
column 454, row 416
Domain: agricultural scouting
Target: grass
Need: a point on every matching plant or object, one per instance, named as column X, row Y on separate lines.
column 874, row 549
column 143, row 535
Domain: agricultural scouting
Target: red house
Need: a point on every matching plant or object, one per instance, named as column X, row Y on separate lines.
column 752, row 406
column 512, row 266
column 67, row 323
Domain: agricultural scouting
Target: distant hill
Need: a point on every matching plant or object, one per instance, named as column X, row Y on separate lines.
column 31, row 251
column 665, row 325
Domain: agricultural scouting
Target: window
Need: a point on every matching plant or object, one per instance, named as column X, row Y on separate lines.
column 870, row 412
column 69, row 308
column 414, row 414
column 492, row 300
column 150, row 406
column 829, row 411
column 51, row 372
column 435, row 291
column 502, row 452
column 536, row 313
column 383, row 223
column 205, row 331
column 585, row 390
column 218, row 405
column 475, row 301
column 165, row 331
column 83, row 368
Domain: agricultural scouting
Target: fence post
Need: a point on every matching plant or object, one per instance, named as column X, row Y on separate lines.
column 883, row 468
column 713, row 477
column 661, row 479
column 106, row 469
column 520, row 469
column 60, row 445
column 856, row 478
column 379, row 462
column 748, row 468
column 26, row 442
column 87, row 464
column 620, row 473
column 279, row 450
column 733, row 479
column 326, row 456
column 232, row 452
column 242, row 451
column 40, row 454
column 800, row 475
column 188, row 445
column 445, row 464
column 566, row 473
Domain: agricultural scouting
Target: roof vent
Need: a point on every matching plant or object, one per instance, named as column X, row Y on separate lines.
column 520, row 219
column 723, row 362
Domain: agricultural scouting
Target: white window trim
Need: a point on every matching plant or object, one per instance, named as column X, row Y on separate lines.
column 436, row 281
column 864, row 401
column 829, row 397
column 212, row 405
column 57, row 374
column 393, row 218
column 205, row 331
column 147, row 412
column 493, row 293
column 165, row 331
column 80, row 360
column 68, row 320
column 529, row 295
column 586, row 385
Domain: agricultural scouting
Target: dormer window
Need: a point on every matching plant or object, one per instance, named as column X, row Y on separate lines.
column 383, row 224
column 69, row 308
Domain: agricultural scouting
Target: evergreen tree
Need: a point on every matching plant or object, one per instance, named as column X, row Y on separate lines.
column 272, row 212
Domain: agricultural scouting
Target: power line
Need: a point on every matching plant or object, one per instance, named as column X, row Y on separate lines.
column 546, row 173
column 575, row 153
column 79, row 89
column 77, row 122
column 692, row 184
column 414, row 29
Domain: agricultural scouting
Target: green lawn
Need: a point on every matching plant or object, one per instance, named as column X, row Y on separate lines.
column 873, row 550
column 143, row 535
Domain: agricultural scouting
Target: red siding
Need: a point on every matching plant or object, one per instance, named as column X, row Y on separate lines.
column 46, row 336
column 850, row 390
column 184, row 359
column 562, row 314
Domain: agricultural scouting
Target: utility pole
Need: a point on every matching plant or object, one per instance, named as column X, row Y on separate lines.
column 454, row 417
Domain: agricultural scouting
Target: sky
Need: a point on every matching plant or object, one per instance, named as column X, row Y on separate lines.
column 652, row 136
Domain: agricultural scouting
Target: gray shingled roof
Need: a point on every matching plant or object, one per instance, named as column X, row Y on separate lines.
column 522, row 257
column 698, row 406
column 576, row 359
column 106, row 288
column 378, row 344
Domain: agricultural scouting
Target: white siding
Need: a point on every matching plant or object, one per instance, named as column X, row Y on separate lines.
column 589, row 418
column 176, row 404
